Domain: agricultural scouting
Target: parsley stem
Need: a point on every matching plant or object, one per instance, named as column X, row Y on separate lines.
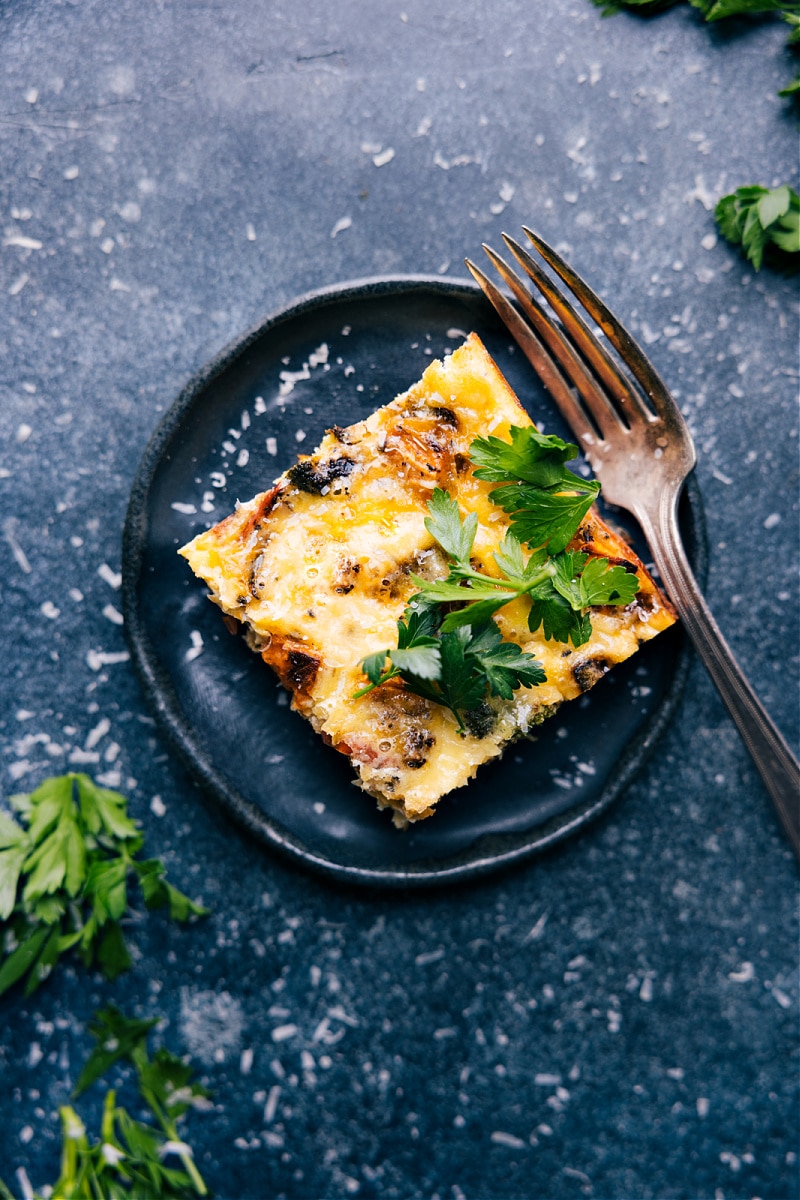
column 171, row 1130
column 95, row 1183
column 74, row 1140
column 461, row 727
column 391, row 673
column 521, row 588
column 107, row 1122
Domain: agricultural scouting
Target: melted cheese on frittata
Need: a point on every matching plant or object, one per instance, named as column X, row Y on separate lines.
column 318, row 571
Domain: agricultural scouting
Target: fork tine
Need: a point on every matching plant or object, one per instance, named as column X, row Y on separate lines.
column 538, row 356
column 640, row 366
column 601, row 410
column 602, row 363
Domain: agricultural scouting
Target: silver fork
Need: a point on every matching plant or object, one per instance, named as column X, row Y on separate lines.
column 636, row 442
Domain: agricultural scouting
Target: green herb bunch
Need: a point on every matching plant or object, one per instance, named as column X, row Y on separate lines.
column 454, row 668
column 131, row 1157
column 758, row 218
column 449, row 648
column 65, row 865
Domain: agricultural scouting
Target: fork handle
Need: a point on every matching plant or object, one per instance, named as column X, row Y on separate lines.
column 776, row 764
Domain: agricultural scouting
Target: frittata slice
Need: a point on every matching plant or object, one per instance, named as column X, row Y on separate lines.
column 317, row 570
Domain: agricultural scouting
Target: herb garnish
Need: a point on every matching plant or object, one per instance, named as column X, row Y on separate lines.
column 560, row 586
column 64, row 870
column 452, row 668
column 547, row 501
column 130, row 1157
column 449, row 649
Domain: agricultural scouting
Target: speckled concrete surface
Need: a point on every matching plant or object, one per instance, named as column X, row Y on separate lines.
column 619, row 1018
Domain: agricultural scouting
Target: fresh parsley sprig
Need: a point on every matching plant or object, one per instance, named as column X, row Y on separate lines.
column 560, row 587
column 418, row 652
column 546, row 501
column 457, row 668
column 757, row 218
column 64, row 872
column 131, row 1156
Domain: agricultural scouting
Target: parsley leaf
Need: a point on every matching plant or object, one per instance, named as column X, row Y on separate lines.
column 23, row 958
column 373, row 667
column 559, row 621
column 64, row 871
column 568, row 567
column 104, row 812
column 476, row 659
column 545, row 518
column 505, row 666
column 559, row 603
column 117, row 1037
column 158, row 892
column 463, row 684
column 444, row 523
column 601, row 583
column 111, row 952
column 13, row 852
column 758, row 218
column 422, row 661
column 531, row 456
column 417, row 653
column 547, row 502
column 508, row 557
column 107, row 884
column 169, row 1080
column 418, row 627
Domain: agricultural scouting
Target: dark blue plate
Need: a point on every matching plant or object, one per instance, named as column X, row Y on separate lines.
column 330, row 359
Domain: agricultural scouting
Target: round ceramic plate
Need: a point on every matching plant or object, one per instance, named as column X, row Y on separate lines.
column 330, row 359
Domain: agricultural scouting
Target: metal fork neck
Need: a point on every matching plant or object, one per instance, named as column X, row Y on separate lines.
column 774, row 760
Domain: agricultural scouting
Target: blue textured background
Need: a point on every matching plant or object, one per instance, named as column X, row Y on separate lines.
column 618, row 1018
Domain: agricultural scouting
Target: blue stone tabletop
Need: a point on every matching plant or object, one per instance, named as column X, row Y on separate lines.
column 617, row 1017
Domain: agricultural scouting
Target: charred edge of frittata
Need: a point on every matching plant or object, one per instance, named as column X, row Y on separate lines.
column 295, row 663
column 316, row 475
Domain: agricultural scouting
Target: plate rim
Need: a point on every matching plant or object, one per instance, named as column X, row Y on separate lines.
column 488, row 853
